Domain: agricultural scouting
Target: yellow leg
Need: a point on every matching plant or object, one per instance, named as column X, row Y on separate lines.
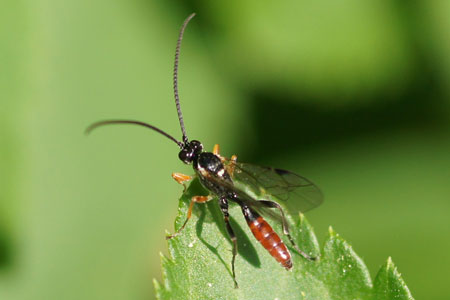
column 195, row 199
column 232, row 165
column 181, row 179
column 216, row 149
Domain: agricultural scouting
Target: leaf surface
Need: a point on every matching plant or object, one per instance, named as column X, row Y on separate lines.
column 199, row 266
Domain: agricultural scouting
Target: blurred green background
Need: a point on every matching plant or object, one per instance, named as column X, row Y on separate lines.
column 351, row 94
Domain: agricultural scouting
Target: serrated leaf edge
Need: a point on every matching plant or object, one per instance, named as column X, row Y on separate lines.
column 389, row 266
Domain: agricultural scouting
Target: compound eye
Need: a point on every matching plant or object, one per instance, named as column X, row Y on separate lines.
column 197, row 146
column 185, row 156
column 182, row 155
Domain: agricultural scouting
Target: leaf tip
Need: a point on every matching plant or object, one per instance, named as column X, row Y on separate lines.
column 156, row 285
column 303, row 223
column 306, row 237
column 390, row 284
column 390, row 263
column 331, row 232
column 302, row 216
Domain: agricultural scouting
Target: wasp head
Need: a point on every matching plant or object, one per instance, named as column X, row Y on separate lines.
column 190, row 151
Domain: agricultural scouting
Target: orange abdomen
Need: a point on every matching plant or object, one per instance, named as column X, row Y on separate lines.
column 270, row 240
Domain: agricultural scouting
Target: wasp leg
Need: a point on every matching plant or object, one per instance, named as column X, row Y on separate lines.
column 226, row 216
column 195, row 199
column 286, row 232
column 216, row 150
column 181, row 179
column 230, row 166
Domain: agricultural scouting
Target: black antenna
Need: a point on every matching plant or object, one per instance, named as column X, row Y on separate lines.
column 175, row 77
column 108, row 122
column 177, row 100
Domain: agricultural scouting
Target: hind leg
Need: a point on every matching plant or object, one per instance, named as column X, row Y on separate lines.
column 224, row 208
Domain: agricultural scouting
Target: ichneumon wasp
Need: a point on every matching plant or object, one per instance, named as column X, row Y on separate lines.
column 221, row 176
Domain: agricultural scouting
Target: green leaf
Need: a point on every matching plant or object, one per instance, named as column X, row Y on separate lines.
column 199, row 266
column 389, row 283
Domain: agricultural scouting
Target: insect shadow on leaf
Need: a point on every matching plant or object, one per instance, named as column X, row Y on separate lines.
column 245, row 247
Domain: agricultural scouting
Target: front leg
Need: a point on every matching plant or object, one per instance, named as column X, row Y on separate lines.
column 181, row 179
column 195, row 199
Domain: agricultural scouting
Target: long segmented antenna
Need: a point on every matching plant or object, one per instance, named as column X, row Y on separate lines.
column 177, row 100
column 108, row 122
column 175, row 77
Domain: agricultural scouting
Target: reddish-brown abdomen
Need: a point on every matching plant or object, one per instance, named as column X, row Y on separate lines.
column 270, row 240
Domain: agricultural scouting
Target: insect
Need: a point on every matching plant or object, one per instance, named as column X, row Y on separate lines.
column 220, row 176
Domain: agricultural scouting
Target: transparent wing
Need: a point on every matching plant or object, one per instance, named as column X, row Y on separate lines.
column 297, row 193
column 244, row 198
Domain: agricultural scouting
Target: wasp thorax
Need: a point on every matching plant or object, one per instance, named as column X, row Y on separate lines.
column 210, row 162
column 189, row 151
